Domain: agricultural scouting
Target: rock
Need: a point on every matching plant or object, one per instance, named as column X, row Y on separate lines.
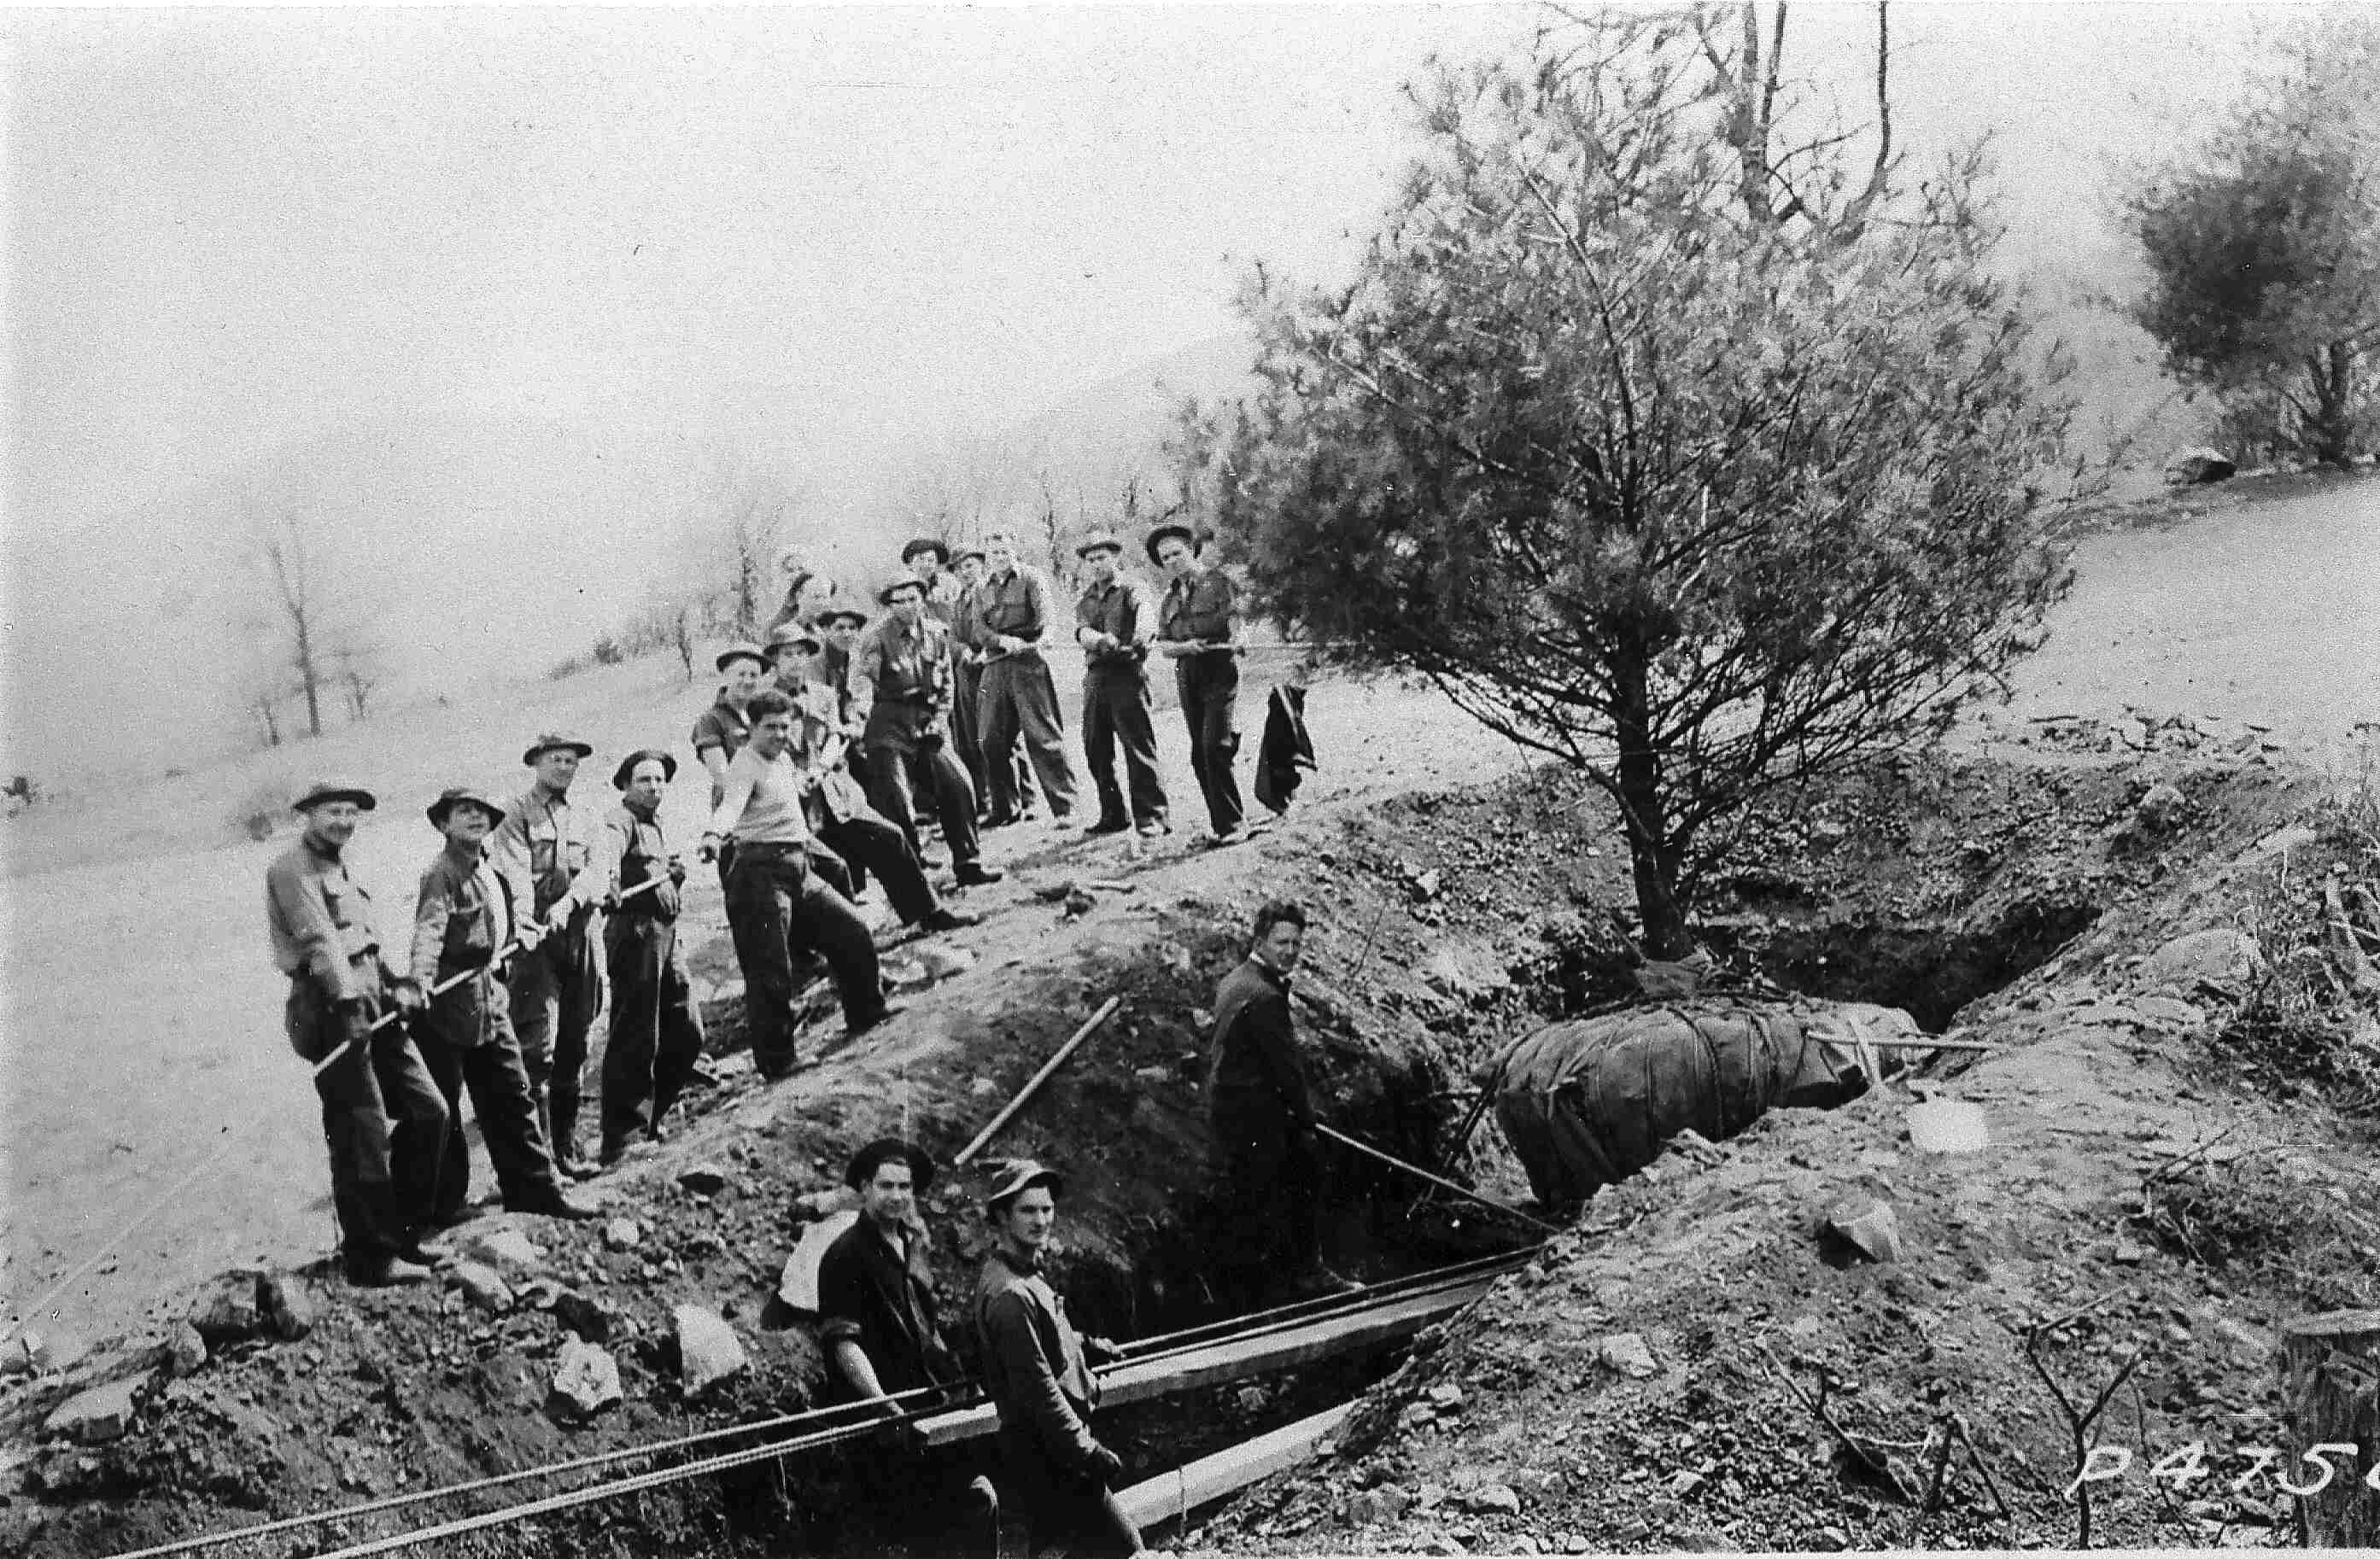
column 2170, row 1010
column 941, row 962
column 2219, row 957
column 983, row 1088
column 1626, row 1352
column 1834, row 1540
column 2131, row 1252
column 2163, row 810
column 1947, row 1126
column 229, row 1310
column 1870, row 1227
column 703, row 1180
column 1387, row 1503
column 1429, row 884
column 1576, row 1543
column 825, row 1204
column 1705, row 1539
column 586, row 1380
column 41, row 1353
column 186, row 1350
column 104, row 1412
column 2198, row 465
column 726, row 1068
column 591, row 1319
column 1693, row 1145
column 1685, row 1481
column 507, row 1249
column 480, row 1285
column 1447, row 1398
column 905, row 973
column 708, row 1349
column 289, row 1303
column 622, row 1234
column 1493, row 1498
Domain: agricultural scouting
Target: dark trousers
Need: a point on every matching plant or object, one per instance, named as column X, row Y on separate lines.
column 895, row 779
column 656, row 1033
column 875, row 847
column 1272, row 1186
column 1061, row 1506
column 498, row 1083
column 1116, row 714
column 384, row 1123
column 967, row 686
column 557, row 992
column 1019, row 700
column 777, row 909
column 1209, row 685
column 931, row 1499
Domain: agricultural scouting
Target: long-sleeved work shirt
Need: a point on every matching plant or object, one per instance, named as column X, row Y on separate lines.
column 635, row 854
column 1256, row 1065
column 320, row 919
column 545, row 848
column 461, row 916
column 760, row 801
column 1033, row 1363
column 882, row 1299
column 1121, row 609
column 908, row 671
column 1015, row 603
column 1199, row 608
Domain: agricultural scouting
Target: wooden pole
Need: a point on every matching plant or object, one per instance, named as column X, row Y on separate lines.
column 1368, row 1151
column 2330, row 1396
column 1027, row 1092
column 1170, row 1497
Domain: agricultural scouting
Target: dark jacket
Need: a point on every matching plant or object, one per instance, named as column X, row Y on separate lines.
column 869, row 1295
column 1285, row 750
column 1123, row 610
column 462, row 915
column 1033, row 1365
column 1256, row 1066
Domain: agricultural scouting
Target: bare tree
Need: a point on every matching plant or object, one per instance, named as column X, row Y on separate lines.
column 311, row 608
column 359, row 676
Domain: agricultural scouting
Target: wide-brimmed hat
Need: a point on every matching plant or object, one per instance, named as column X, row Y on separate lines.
column 553, row 743
column 867, row 1160
column 964, row 553
column 1158, row 536
column 1098, row 541
column 1021, row 1176
column 628, row 767
column 934, row 544
column 464, row 795
column 741, row 651
column 828, row 619
column 320, row 790
column 791, row 635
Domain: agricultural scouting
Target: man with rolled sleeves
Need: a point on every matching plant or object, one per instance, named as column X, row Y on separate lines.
column 776, row 905
column 462, row 921
column 656, row 1033
column 966, row 724
column 1018, row 699
column 1199, row 629
column 382, row 1117
column 905, row 666
column 1115, row 620
column 544, row 849
column 720, row 731
column 1036, row 1370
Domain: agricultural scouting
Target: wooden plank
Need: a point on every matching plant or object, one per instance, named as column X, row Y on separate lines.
column 1024, row 1095
column 1171, row 1495
column 1218, row 1363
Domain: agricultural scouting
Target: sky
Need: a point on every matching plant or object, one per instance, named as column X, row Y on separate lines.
column 433, row 258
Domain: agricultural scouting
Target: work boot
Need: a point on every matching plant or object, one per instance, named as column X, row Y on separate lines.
column 974, row 874
column 1108, row 826
column 1156, row 828
column 891, row 1009
column 389, row 1274
column 552, row 1203
column 947, row 919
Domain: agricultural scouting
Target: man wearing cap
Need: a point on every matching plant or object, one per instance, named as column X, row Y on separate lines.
column 905, row 664
column 1037, row 1371
column 544, row 849
column 656, row 1033
column 1115, row 619
column 1199, row 629
column 966, row 725
column 1011, row 613
column 382, row 1117
column 1261, row 1114
column 878, row 1328
column 776, row 905
column 462, row 921
column 720, row 731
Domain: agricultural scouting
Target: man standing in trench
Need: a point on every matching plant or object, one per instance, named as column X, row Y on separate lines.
column 382, row 1117
column 1261, row 1115
column 543, row 848
column 1037, row 1371
column 880, row 1330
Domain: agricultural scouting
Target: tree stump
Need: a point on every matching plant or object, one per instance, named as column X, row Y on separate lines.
column 2330, row 1392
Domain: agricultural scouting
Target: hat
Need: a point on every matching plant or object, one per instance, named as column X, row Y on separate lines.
column 628, row 767
column 741, row 651
column 553, row 743
column 1022, row 1174
column 788, row 634
column 1171, row 528
column 966, row 553
column 858, row 618
column 934, row 544
column 320, row 791
column 1098, row 540
column 899, row 582
column 463, row 795
column 867, row 1160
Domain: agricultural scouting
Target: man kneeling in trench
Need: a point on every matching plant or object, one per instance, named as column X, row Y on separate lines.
column 876, row 1308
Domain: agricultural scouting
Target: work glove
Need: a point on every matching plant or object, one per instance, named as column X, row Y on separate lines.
column 1104, row 1465
column 356, row 1024
column 408, row 996
column 1098, row 1350
column 677, row 872
column 707, row 850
